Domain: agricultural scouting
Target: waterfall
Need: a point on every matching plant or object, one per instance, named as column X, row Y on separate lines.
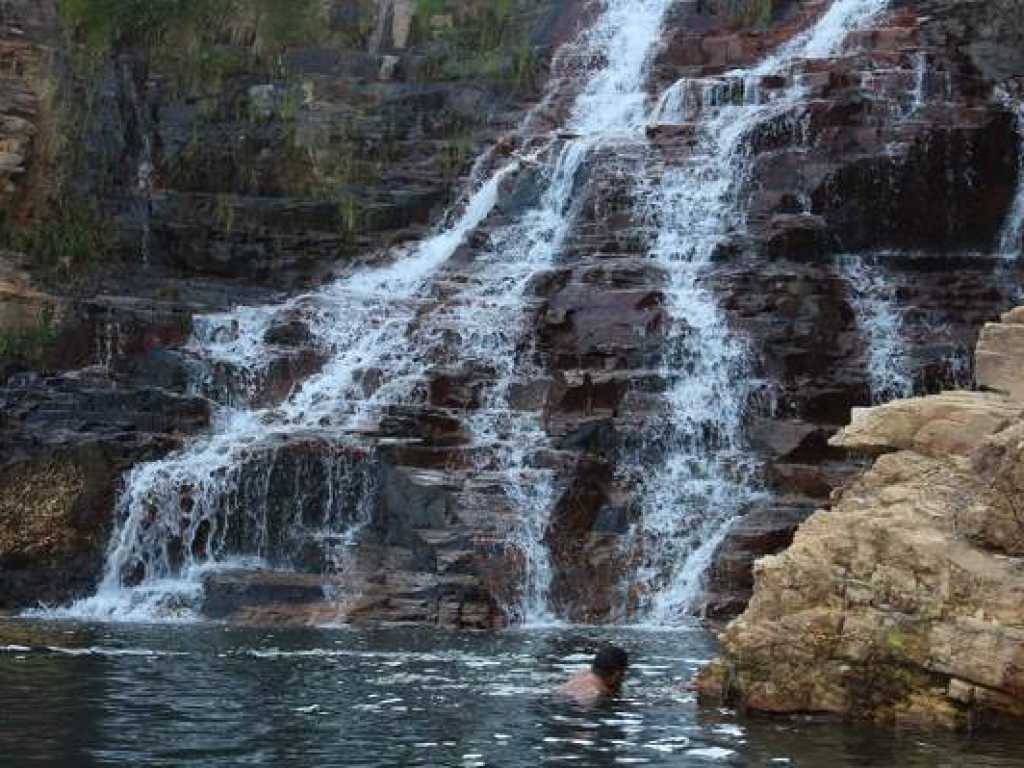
column 708, row 475
column 920, row 92
column 1011, row 239
column 484, row 320
column 205, row 506
column 212, row 504
column 293, row 484
column 873, row 298
column 612, row 107
column 140, row 122
column 144, row 188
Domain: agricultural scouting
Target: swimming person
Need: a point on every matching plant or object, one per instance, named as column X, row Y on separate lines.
column 603, row 679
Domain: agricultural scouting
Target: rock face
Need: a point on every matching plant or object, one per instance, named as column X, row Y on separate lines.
column 161, row 173
column 170, row 188
column 903, row 603
column 64, row 442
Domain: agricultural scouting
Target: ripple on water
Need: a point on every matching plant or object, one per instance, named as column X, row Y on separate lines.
column 711, row 753
column 377, row 699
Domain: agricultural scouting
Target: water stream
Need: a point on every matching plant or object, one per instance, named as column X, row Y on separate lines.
column 709, row 476
column 873, row 298
column 1011, row 239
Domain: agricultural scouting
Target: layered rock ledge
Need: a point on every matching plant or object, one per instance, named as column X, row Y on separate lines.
column 904, row 603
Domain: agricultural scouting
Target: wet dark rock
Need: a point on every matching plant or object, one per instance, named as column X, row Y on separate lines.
column 233, row 594
column 413, row 500
column 796, row 237
column 766, row 529
column 64, row 445
column 291, row 334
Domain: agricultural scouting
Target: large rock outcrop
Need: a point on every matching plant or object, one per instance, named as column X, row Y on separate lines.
column 904, row 603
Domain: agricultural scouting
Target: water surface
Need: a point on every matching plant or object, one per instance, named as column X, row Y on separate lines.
column 78, row 695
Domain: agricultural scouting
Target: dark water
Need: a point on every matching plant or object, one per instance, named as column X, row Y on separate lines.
column 75, row 695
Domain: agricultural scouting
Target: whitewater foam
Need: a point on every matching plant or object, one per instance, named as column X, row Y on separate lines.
column 874, row 300
column 709, row 475
column 1011, row 239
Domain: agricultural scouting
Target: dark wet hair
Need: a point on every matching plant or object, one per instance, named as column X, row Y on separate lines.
column 609, row 660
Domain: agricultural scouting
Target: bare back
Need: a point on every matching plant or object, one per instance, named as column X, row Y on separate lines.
column 584, row 688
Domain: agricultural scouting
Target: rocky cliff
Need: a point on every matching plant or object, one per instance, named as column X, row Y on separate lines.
column 157, row 174
column 158, row 164
column 903, row 603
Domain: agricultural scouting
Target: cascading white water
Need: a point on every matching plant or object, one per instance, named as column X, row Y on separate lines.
column 144, row 189
column 204, row 491
column 920, row 92
column 484, row 320
column 611, row 107
column 688, row 505
column 873, row 298
column 208, row 503
column 1011, row 239
column 491, row 326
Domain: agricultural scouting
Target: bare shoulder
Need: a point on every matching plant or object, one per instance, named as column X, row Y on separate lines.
column 583, row 687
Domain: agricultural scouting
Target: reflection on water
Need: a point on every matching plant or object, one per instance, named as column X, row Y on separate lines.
column 208, row 695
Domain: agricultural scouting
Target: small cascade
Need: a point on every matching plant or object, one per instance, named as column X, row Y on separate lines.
column 285, row 506
column 144, row 188
column 921, row 79
column 1011, row 239
column 708, row 476
column 493, row 326
column 109, row 342
column 210, row 503
column 873, row 298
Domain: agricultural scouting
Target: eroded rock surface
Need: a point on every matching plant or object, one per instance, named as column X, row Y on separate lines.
column 904, row 603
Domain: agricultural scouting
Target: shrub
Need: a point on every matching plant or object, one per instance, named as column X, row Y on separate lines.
column 266, row 25
column 28, row 345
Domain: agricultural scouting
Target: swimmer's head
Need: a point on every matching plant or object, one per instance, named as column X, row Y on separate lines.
column 610, row 664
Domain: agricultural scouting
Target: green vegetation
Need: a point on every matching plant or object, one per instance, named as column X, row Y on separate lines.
column 474, row 41
column 203, row 42
column 266, row 25
column 456, row 155
column 225, row 212
column 755, row 14
column 350, row 214
column 28, row 345
column 226, row 61
column 70, row 241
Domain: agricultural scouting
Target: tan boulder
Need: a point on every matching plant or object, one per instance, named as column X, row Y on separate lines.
column 999, row 355
column 952, row 423
column 903, row 604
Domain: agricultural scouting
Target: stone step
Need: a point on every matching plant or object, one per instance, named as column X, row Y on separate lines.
column 227, row 593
